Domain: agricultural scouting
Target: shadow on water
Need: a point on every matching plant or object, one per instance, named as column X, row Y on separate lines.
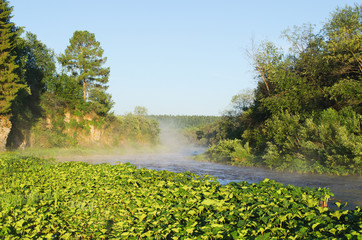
column 177, row 158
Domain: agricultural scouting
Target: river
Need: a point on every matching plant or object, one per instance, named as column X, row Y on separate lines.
column 346, row 188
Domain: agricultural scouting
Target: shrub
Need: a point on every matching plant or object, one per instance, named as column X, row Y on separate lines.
column 230, row 151
column 333, row 138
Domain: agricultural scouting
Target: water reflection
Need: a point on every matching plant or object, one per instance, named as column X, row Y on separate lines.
column 346, row 188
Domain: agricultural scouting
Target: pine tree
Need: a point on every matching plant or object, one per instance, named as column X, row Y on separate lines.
column 84, row 59
column 10, row 83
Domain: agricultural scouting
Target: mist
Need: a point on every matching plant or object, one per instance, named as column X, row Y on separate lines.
column 174, row 153
column 172, row 139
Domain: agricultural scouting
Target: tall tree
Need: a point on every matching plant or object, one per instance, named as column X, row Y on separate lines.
column 84, row 59
column 10, row 83
column 344, row 55
column 39, row 64
column 9, row 80
column 36, row 68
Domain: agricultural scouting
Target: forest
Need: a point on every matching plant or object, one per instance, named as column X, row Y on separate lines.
column 184, row 121
column 43, row 107
column 305, row 113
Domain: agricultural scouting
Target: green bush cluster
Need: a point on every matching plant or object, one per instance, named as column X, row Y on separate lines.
column 232, row 151
column 328, row 142
column 75, row 200
column 305, row 114
column 330, row 138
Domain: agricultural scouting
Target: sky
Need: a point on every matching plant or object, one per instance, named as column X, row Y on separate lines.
column 174, row 57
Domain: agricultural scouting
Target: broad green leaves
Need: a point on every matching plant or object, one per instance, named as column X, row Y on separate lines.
column 75, row 200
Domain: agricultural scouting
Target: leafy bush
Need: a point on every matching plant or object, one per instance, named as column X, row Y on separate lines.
column 334, row 139
column 272, row 157
column 231, row 151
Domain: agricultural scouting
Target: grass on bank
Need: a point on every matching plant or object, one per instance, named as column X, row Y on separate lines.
column 87, row 151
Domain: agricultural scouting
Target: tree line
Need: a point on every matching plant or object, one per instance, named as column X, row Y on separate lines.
column 184, row 121
column 305, row 113
column 34, row 96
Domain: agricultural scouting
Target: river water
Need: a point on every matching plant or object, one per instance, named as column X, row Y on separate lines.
column 345, row 188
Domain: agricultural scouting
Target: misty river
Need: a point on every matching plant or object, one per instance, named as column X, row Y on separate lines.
column 346, row 188
column 177, row 157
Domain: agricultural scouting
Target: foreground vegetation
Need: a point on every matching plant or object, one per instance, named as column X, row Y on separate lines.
column 75, row 200
column 305, row 113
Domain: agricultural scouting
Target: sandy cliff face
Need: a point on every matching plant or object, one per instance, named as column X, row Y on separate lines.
column 68, row 129
column 5, row 127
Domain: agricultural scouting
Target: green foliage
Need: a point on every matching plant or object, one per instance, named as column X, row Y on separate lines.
column 232, row 151
column 83, row 58
column 70, row 128
column 241, row 102
column 344, row 41
column 334, row 139
column 140, row 111
column 38, row 64
column 272, row 156
column 65, row 91
column 184, row 121
column 306, row 114
column 138, row 128
column 40, row 199
column 43, row 137
column 37, row 69
column 10, row 83
column 101, row 102
column 50, row 109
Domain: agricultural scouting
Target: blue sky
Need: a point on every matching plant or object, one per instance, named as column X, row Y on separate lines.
column 172, row 57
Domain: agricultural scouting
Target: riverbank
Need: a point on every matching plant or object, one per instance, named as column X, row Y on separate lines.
column 70, row 152
column 234, row 153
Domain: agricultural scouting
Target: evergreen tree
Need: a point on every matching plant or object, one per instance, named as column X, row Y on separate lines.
column 10, row 83
column 83, row 58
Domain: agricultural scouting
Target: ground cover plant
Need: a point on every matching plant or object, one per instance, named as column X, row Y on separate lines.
column 40, row 199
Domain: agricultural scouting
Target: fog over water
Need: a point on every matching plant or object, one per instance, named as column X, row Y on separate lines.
column 176, row 156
